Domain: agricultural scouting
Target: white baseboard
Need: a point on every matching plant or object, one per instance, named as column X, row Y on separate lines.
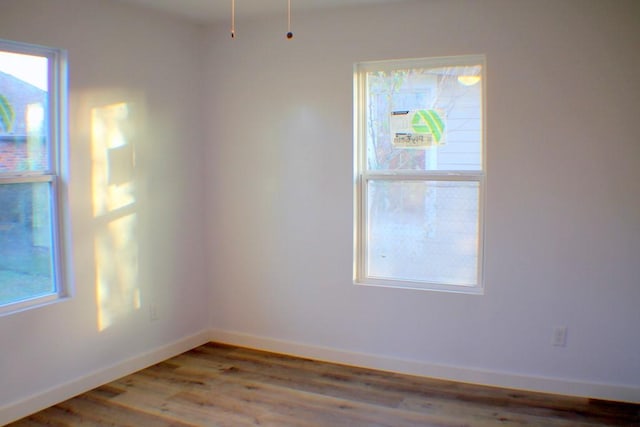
column 566, row 387
column 44, row 399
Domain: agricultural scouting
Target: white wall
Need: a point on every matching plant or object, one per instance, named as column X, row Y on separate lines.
column 151, row 247
column 562, row 206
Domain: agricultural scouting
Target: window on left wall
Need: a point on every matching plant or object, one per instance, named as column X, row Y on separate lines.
column 32, row 131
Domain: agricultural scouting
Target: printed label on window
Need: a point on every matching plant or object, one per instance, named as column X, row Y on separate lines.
column 417, row 128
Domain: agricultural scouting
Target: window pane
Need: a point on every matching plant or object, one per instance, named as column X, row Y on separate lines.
column 425, row 118
column 25, row 242
column 24, row 112
column 423, row 231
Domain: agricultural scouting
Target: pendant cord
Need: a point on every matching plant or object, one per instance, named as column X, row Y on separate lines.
column 289, row 33
column 233, row 19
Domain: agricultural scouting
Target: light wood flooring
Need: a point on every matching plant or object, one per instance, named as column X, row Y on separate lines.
column 219, row 385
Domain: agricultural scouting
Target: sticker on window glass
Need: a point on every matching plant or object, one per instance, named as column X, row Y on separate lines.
column 417, row 128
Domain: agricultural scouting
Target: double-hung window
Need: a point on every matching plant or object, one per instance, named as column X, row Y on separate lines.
column 419, row 173
column 32, row 86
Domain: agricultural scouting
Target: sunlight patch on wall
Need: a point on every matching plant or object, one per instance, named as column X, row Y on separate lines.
column 116, row 253
column 113, row 159
column 113, row 188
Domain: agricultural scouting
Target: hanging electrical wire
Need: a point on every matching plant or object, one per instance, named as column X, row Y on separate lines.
column 289, row 33
column 233, row 19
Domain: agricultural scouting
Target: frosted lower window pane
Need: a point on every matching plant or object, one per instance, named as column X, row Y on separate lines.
column 423, row 231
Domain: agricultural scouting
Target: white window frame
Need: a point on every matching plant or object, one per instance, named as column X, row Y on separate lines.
column 362, row 176
column 55, row 174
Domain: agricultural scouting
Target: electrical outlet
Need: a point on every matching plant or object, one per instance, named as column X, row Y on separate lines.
column 559, row 338
column 153, row 311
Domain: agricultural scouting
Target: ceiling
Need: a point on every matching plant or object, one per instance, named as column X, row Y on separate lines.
column 208, row 11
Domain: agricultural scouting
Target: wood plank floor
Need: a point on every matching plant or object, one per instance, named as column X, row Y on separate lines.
column 219, row 385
